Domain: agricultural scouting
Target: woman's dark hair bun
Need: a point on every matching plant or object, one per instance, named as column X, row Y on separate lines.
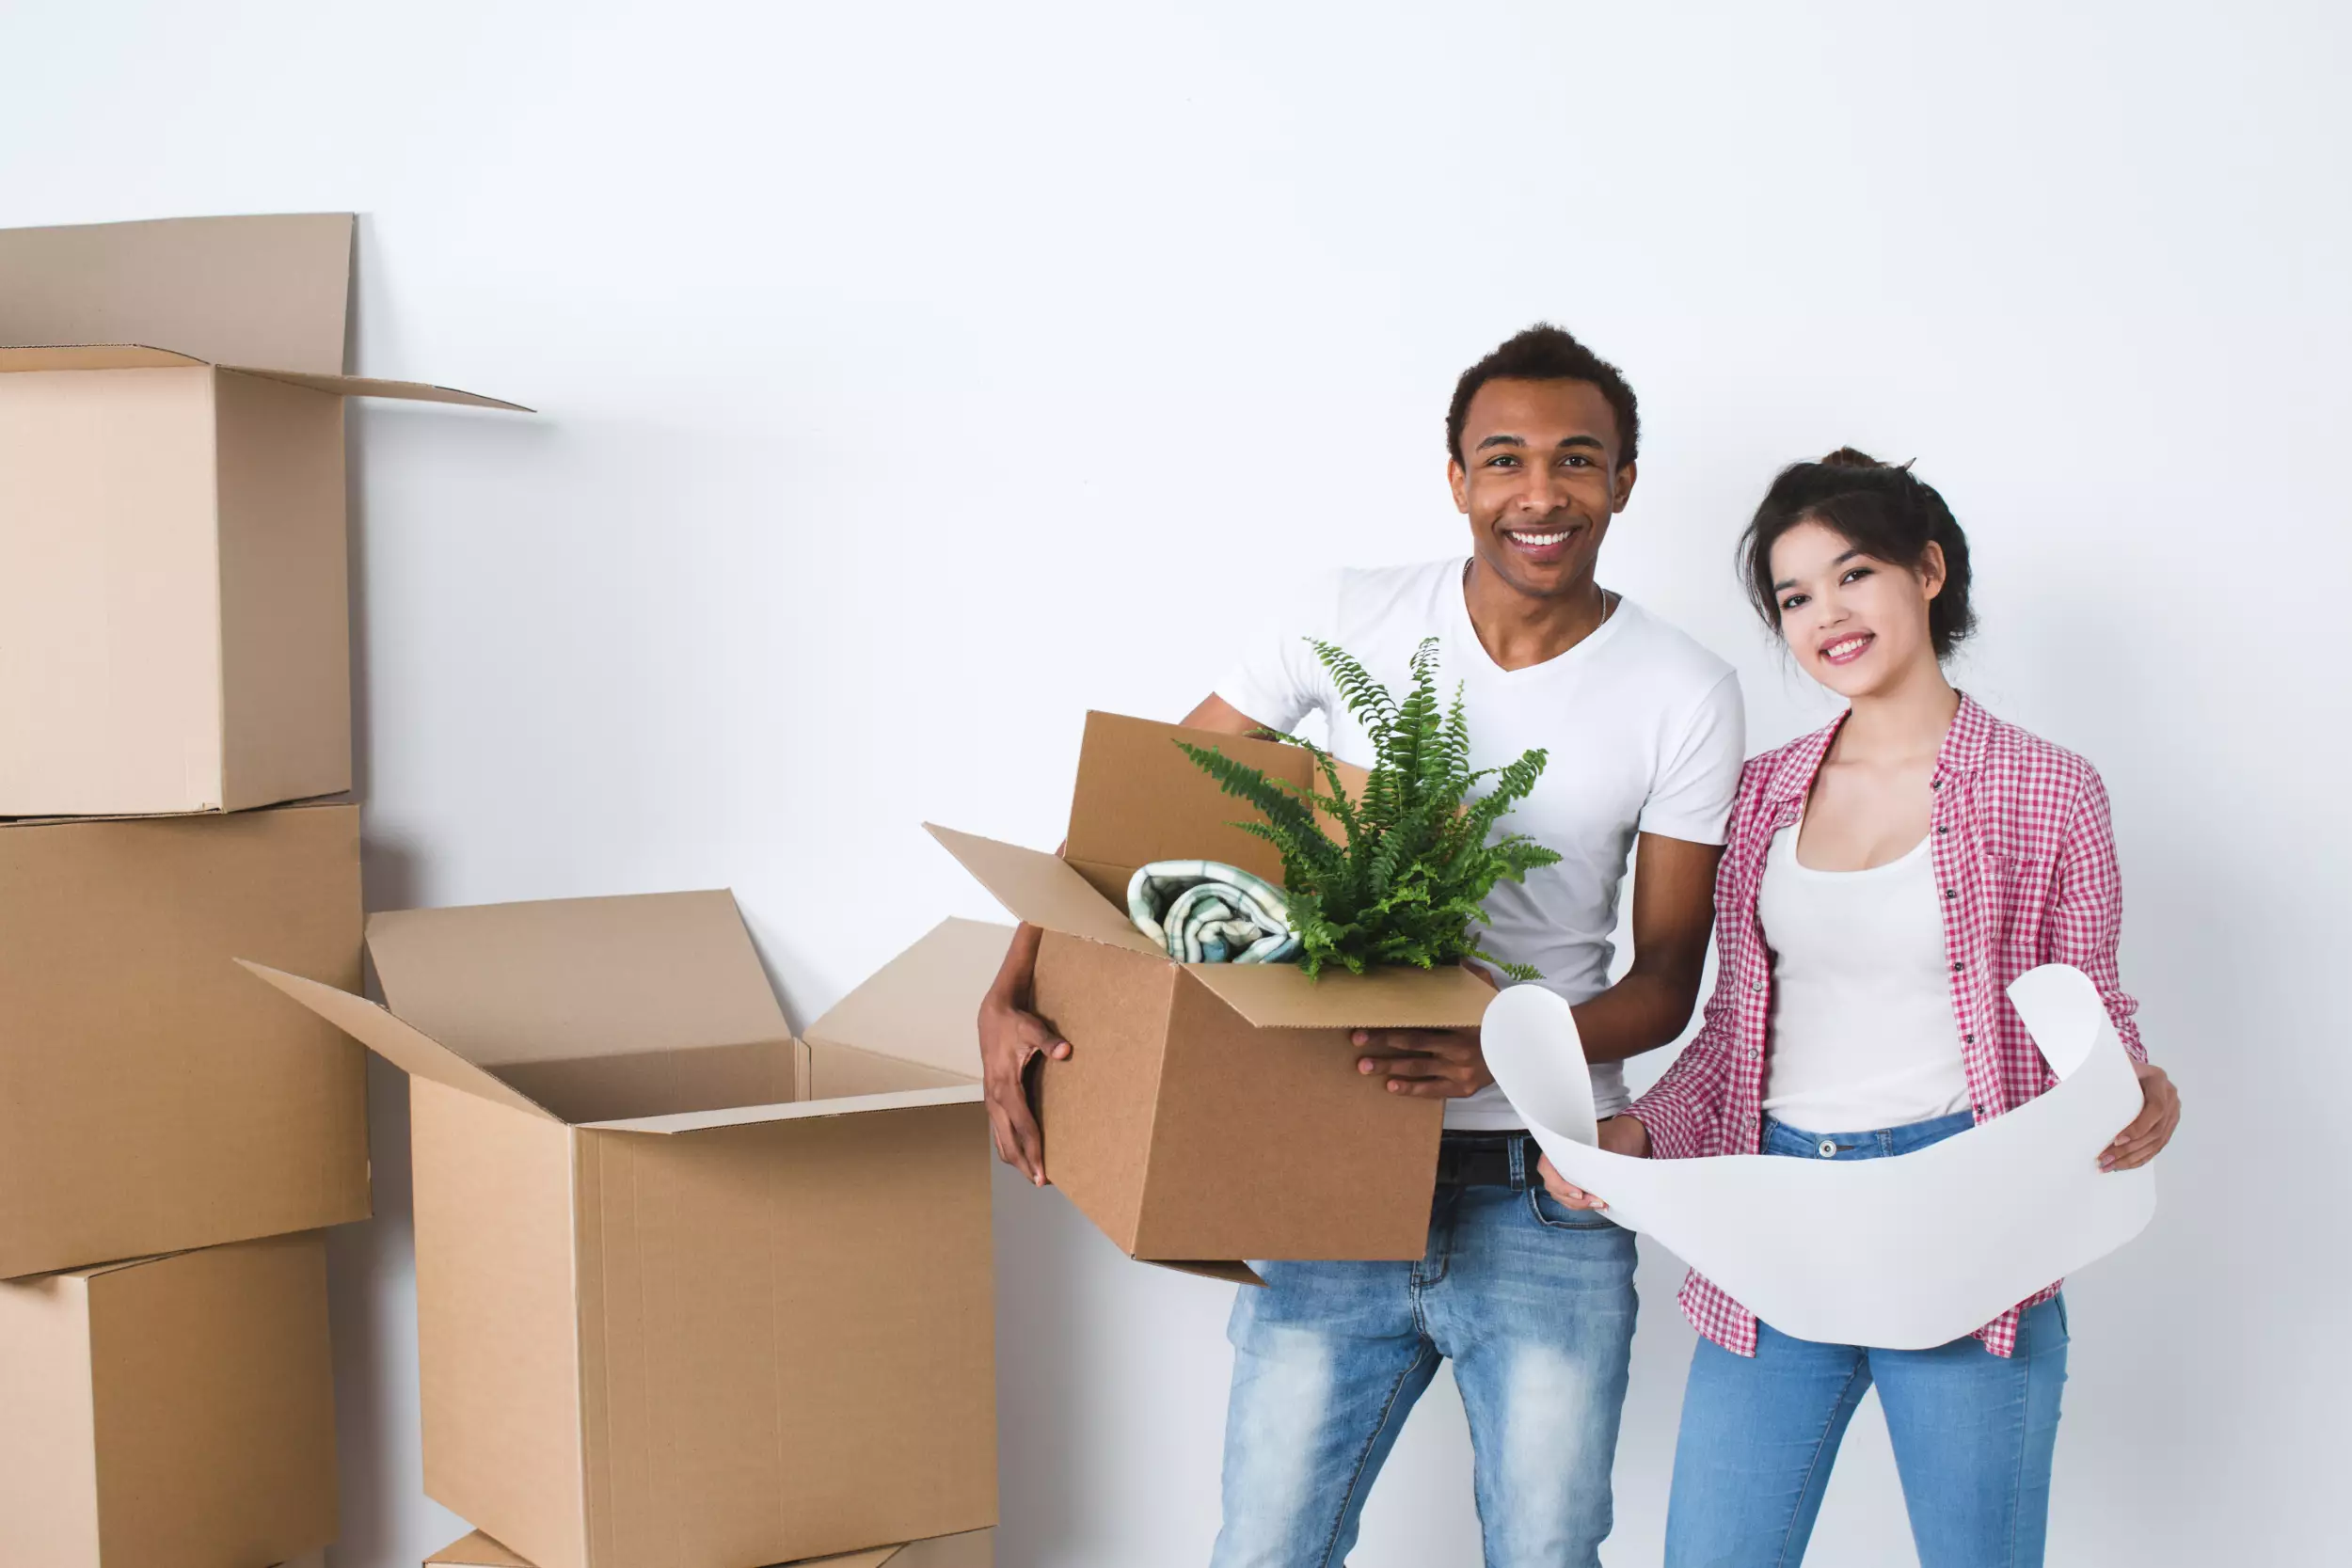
column 1848, row 457
column 1884, row 510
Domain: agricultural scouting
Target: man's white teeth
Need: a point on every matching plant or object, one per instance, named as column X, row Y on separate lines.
column 1538, row 541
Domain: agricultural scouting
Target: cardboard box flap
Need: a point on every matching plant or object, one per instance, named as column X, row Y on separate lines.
column 746, row 1115
column 1140, row 798
column 406, row 1047
column 93, row 357
column 1280, row 996
column 576, row 977
column 924, row 1004
column 260, row 290
column 1042, row 890
column 141, row 356
column 476, row 1551
column 371, row 387
column 1224, row 1273
column 479, row 1551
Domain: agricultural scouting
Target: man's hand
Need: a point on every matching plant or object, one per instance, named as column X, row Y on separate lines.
column 1619, row 1136
column 2150, row 1131
column 1430, row 1064
column 1010, row 1040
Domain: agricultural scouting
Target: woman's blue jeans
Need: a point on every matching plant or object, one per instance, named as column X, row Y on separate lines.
column 1973, row 1433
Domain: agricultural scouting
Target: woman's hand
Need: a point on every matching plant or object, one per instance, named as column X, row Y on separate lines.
column 1619, row 1136
column 2150, row 1131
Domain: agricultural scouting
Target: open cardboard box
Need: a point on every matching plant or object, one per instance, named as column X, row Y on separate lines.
column 972, row 1549
column 691, row 1293
column 152, row 1098
column 174, row 620
column 171, row 1412
column 1211, row 1113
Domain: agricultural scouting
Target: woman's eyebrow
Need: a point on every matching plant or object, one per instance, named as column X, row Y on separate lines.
column 1785, row 584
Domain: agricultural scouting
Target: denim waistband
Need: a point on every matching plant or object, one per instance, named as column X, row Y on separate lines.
column 1886, row 1142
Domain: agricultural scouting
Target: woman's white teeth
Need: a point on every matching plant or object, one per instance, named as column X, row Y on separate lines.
column 1539, row 540
column 1840, row 650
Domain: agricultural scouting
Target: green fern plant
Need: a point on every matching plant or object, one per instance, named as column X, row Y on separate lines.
column 1419, row 855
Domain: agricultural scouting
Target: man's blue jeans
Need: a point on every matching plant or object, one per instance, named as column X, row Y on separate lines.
column 1973, row 1433
column 1531, row 1302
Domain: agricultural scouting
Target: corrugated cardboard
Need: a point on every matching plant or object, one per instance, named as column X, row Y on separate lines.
column 174, row 628
column 152, row 1098
column 170, row 1413
column 1211, row 1113
column 972, row 1549
column 674, row 1312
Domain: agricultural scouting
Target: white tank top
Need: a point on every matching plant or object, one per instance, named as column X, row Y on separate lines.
column 1862, row 1030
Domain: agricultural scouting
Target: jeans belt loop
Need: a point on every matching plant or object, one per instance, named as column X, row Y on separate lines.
column 1518, row 1161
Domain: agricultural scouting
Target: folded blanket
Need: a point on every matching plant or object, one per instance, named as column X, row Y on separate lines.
column 1206, row 911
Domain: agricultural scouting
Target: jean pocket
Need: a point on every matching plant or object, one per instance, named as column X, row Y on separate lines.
column 1555, row 1215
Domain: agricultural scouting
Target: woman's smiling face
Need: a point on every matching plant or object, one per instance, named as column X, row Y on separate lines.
column 1856, row 623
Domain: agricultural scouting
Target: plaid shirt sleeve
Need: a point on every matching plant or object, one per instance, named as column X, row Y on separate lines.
column 2086, row 922
column 1681, row 1109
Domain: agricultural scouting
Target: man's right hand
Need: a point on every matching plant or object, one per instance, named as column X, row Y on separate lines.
column 1011, row 1038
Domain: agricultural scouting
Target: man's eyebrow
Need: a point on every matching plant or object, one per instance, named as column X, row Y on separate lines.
column 1787, row 583
column 1499, row 441
column 1592, row 441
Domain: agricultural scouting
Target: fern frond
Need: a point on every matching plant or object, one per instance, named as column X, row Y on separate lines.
column 1419, row 852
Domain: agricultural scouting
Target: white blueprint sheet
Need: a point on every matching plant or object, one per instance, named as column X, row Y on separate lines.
column 1899, row 1253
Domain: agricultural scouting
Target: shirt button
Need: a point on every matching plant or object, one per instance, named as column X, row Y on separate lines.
column 1958, row 965
column 1756, row 986
column 1941, row 831
column 1967, row 1039
column 1951, row 893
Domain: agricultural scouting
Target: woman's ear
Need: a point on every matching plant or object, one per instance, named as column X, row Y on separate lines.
column 1932, row 572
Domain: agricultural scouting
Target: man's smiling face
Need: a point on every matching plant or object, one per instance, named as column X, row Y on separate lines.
column 1539, row 480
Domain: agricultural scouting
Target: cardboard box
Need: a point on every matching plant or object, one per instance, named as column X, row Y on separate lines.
column 174, row 620
column 174, row 1412
column 153, row 1099
column 690, row 1294
column 1211, row 1113
column 972, row 1549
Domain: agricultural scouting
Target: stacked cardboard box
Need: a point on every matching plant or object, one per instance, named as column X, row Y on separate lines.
column 174, row 702
column 972, row 1549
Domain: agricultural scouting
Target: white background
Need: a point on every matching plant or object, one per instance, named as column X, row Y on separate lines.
column 916, row 377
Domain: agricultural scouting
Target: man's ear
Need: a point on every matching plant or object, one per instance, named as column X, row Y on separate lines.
column 1622, row 491
column 1458, row 481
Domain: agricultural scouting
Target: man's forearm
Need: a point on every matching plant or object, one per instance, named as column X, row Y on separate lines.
column 1014, row 976
column 1641, row 1012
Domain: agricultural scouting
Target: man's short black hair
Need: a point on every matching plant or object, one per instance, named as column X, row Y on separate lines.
column 1544, row 353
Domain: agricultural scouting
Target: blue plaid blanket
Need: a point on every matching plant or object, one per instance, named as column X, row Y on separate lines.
column 1206, row 911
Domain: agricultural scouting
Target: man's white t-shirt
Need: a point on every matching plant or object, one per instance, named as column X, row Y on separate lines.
column 1643, row 729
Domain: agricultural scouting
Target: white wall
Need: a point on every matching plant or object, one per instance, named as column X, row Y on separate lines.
column 916, row 377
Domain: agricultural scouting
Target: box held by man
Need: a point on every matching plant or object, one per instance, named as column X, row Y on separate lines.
column 1211, row 1113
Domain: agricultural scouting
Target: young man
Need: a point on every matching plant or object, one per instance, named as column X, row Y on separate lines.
column 1532, row 1302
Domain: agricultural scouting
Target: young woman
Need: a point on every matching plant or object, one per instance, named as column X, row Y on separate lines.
column 1886, row 880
